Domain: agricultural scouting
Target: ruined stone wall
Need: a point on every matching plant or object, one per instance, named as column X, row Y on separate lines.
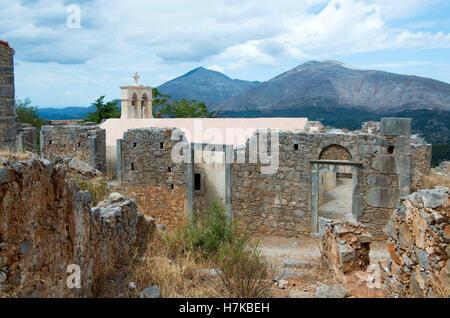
column 47, row 224
column 419, row 232
column 8, row 118
column 345, row 248
column 280, row 203
column 27, row 138
column 420, row 165
column 151, row 176
column 85, row 143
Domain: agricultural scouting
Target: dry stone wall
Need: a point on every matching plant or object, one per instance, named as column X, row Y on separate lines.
column 150, row 175
column 47, row 224
column 420, row 164
column 26, row 138
column 8, row 118
column 346, row 248
column 419, row 232
column 280, row 203
column 83, row 142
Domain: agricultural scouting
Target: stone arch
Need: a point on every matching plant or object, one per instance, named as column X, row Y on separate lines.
column 134, row 104
column 335, row 152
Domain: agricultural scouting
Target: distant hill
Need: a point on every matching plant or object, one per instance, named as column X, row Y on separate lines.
column 65, row 113
column 331, row 84
column 211, row 87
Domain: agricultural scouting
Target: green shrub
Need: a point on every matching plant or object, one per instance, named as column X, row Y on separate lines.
column 245, row 270
column 225, row 243
column 98, row 188
column 209, row 230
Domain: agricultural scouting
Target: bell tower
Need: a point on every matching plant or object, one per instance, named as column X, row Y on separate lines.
column 136, row 100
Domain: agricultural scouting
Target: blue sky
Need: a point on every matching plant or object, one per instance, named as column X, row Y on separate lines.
column 57, row 65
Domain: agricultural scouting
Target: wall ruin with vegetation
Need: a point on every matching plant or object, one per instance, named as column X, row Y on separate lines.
column 150, row 176
column 47, row 224
column 84, row 142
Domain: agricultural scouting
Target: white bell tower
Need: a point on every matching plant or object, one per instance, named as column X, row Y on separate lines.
column 136, row 100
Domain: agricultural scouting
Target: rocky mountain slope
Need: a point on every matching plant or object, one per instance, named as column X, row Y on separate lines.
column 204, row 85
column 331, row 84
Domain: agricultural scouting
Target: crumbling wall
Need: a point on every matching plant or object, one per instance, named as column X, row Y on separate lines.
column 345, row 248
column 150, row 175
column 420, row 165
column 8, row 118
column 280, row 203
column 47, row 224
column 419, row 232
column 83, row 142
column 27, row 136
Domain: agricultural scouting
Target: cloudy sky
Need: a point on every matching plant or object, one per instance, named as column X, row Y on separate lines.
column 59, row 64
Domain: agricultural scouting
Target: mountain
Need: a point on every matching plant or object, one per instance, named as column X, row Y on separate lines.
column 211, row 87
column 331, row 84
column 65, row 113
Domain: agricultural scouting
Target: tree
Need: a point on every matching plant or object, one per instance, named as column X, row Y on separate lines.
column 28, row 114
column 103, row 111
column 164, row 106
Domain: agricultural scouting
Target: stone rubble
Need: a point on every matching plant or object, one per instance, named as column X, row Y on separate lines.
column 48, row 226
column 419, row 233
column 346, row 247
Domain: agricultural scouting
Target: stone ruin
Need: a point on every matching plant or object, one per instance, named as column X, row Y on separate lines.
column 8, row 118
column 346, row 248
column 419, row 233
column 47, row 225
column 13, row 135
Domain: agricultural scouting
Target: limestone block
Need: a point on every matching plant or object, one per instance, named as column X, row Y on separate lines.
column 378, row 180
column 402, row 145
column 391, row 126
column 382, row 197
column 403, row 165
column 384, row 164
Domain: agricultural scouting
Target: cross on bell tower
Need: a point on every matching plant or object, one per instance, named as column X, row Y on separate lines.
column 136, row 78
column 136, row 100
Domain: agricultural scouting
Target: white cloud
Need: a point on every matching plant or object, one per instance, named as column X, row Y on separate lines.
column 216, row 68
column 240, row 33
column 163, row 39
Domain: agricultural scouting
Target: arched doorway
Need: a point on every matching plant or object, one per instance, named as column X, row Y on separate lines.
column 335, row 186
column 335, row 152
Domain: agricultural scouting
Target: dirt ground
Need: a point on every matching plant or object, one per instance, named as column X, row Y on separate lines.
column 300, row 256
column 311, row 273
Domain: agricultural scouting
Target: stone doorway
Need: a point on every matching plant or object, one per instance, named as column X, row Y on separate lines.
column 209, row 176
column 334, row 190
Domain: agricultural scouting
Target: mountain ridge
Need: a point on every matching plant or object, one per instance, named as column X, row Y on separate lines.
column 334, row 82
column 208, row 86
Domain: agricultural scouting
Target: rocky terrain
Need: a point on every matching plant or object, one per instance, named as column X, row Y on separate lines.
column 332, row 83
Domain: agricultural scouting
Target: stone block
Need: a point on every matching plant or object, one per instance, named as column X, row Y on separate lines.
column 403, row 165
column 334, row 291
column 384, row 164
column 378, row 180
column 6, row 175
column 391, row 126
column 402, row 146
column 382, row 197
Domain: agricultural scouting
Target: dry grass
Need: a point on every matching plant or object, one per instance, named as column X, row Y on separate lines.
column 179, row 276
column 436, row 178
column 12, row 155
